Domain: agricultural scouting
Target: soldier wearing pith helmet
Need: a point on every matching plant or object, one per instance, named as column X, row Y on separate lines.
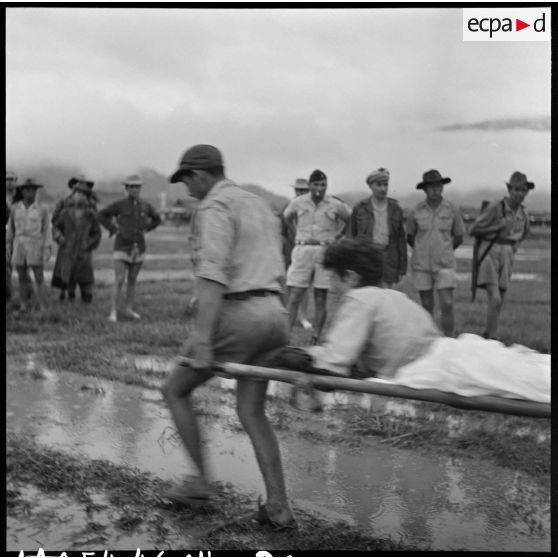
column 128, row 219
column 501, row 227
column 434, row 230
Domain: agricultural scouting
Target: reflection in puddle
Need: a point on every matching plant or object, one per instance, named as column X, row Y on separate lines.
column 424, row 501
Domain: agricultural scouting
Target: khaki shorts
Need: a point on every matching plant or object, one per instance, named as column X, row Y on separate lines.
column 306, row 268
column 430, row 280
column 134, row 258
column 248, row 330
column 496, row 268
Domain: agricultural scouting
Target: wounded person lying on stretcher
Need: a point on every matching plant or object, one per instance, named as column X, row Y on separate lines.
column 380, row 332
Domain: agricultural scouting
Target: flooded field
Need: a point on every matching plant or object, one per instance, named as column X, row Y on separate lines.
column 430, row 502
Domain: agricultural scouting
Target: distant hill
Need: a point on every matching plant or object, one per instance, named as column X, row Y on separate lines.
column 55, row 179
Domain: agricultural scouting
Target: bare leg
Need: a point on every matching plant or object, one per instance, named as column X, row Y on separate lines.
column 133, row 273
column 251, row 412
column 24, row 280
column 40, row 285
column 446, row 306
column 177, row 391
column 320, row 302
column 427, row 300
column 495, row 301
column 303, row 310
column 295, row 296
column 120, row 269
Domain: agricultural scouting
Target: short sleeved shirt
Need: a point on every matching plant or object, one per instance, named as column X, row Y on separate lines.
column 433, row 231
column 236, row 240
column 321, row 222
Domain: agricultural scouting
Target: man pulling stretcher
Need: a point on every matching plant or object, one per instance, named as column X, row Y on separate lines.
column 394, row 342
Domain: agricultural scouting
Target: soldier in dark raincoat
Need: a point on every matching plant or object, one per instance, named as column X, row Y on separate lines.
column 77, row 232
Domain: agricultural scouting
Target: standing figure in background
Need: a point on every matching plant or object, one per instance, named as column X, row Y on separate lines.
column 379, row 219
column 77, row 232
column 129, row 219
column 75, row 181
column 288, row 233
column 11, row 182
column 319, row 220
column 434, row 230
column 28, row 241
column 500, row 228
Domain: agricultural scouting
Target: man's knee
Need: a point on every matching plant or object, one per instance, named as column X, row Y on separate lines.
column 181, row 382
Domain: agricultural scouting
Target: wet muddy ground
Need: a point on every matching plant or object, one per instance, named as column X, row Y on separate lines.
column 424, row 501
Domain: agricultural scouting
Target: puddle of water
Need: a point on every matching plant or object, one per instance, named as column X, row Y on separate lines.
column 424, row 501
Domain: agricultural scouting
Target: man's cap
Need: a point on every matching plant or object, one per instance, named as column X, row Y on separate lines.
column 519, row 179
column 198, row 157
column 10, row 174
column 432, row 177
column 317, row 175
column 80, row 178
column 377, row 174
column 300, row 184
column 30, row 183
column 133, row 180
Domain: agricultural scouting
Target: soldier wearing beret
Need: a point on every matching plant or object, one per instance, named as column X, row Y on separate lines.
column 320, row 220
column 379, row 219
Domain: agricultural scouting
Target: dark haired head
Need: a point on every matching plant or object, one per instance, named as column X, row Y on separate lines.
column 361, row 256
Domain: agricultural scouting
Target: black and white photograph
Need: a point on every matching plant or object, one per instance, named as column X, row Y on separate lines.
column 278, row 279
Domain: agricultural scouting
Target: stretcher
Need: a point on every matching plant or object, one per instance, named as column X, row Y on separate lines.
column 489, row 403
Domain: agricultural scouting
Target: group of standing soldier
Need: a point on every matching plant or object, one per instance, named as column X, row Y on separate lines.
column 433, row 229
column 75, row 226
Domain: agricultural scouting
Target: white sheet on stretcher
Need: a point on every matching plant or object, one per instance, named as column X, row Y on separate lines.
column 473, row 366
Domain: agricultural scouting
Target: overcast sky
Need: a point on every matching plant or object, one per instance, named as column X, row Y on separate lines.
column 280, row 92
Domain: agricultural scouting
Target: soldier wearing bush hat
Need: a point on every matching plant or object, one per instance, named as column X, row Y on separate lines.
column 129, row 219
column 28, row 240
column 434, row 230
column 498, row 231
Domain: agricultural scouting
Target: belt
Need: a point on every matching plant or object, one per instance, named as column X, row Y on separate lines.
column 312, row 242
column 245, row 295
column 505, row 241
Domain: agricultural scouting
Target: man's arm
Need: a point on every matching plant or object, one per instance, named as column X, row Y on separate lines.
column 345, row 340
column 155, row 218
column 106, row 216
column 411, row 229
column 210, row 299
column 488, row 222
column 401, row 242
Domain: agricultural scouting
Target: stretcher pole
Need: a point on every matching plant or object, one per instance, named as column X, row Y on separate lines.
column 487, row 403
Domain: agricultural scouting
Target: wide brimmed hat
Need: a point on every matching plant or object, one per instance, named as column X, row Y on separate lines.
column 519, row 179
column 80, row 178
column 198, row 157
column 29, row 183
column 133, row 180
column 300, row 184
column 432, row 177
